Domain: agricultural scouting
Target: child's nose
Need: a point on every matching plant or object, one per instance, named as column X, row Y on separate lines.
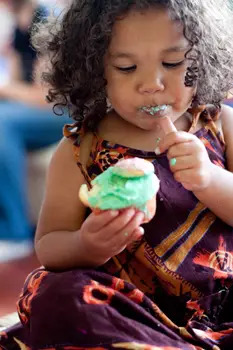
column 151, row 85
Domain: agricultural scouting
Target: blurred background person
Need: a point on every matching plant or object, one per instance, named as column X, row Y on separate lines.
column 27, row 123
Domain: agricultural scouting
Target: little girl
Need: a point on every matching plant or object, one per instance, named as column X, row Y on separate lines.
column 127, row 70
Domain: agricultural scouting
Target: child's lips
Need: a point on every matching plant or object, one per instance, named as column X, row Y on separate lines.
column 155, row 111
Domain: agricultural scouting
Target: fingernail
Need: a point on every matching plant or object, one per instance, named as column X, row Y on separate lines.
column 114, row 213
column 173, row 161
column 140, row 216
column 142, row 231
column 131, row 212
column 157, row 151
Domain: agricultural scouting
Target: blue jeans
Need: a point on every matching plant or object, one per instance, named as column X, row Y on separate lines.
column 22, row 128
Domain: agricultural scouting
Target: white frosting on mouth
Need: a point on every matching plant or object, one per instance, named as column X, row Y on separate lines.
column 153, row 109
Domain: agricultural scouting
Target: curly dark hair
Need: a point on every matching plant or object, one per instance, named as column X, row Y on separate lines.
column 77, row 42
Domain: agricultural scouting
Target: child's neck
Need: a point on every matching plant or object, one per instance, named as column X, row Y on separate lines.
column 117, row 130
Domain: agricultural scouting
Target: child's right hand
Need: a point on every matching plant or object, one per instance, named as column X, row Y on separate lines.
column 105, row 235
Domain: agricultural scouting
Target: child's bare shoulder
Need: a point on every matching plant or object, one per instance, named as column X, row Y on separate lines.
column 227, row 129
column 226, row 118
column 64, row 153
column 225, row 121
column 62, row 209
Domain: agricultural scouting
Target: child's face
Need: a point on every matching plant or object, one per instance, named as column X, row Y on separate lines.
column 145, row 66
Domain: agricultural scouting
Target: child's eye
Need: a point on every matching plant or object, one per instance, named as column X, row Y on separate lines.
column 126, row 69
column 173, row 65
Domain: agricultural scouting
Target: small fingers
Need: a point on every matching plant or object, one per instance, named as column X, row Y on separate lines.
column 172, row 139
column 181, row 149
column 124, row 239
column 134, row 226
column 181, row 163
column 167, row 125
column 190, row 177
column 95, row 223
column 126, row 234
column 118, row 223
column 137, row 234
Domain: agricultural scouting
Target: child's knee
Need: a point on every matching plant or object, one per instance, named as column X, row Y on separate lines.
column 46, row 291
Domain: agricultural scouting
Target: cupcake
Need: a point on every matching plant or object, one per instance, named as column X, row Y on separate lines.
column 130, row 183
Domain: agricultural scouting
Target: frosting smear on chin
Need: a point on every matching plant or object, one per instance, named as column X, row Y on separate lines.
column 115, row 190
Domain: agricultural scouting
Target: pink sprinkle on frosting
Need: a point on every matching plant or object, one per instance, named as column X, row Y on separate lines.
column 136, row 164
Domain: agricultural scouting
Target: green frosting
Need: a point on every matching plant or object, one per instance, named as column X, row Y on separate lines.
column 117, row 191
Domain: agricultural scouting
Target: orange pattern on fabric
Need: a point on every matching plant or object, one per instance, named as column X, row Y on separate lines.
column 194, row 305
column 24, row 303
column 218, row 335
column 75, row 348
column 138, row 346
column 135, row 295
column 172, row 281
column 136, row 268
column 171, row 239
column 106, row 158
column 197, row 234
column 166, row 270
column 208, row 334
column 221, row 261
column 117, row 286
column 219, row 163
column 89, row 298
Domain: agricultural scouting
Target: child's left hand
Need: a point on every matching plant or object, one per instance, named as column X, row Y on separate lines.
column 189, row 160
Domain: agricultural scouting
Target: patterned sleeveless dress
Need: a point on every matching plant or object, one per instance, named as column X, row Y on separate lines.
column 170, row 290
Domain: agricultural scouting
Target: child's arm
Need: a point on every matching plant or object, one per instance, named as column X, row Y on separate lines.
column 63, row 239
column 191, row 166
column 218, row 196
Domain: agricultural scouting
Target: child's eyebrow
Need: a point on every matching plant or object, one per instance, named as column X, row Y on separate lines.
column 177, row 48
column 122, row 55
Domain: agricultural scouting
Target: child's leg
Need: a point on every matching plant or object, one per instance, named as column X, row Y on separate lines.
column 89, row 309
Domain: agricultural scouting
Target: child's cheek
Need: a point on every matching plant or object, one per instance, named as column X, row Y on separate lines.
column 183, row 97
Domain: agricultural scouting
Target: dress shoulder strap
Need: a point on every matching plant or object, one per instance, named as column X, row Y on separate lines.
column 82, row 144
column 208, row 115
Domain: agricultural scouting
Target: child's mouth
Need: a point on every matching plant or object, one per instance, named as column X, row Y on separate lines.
column 154, row 110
